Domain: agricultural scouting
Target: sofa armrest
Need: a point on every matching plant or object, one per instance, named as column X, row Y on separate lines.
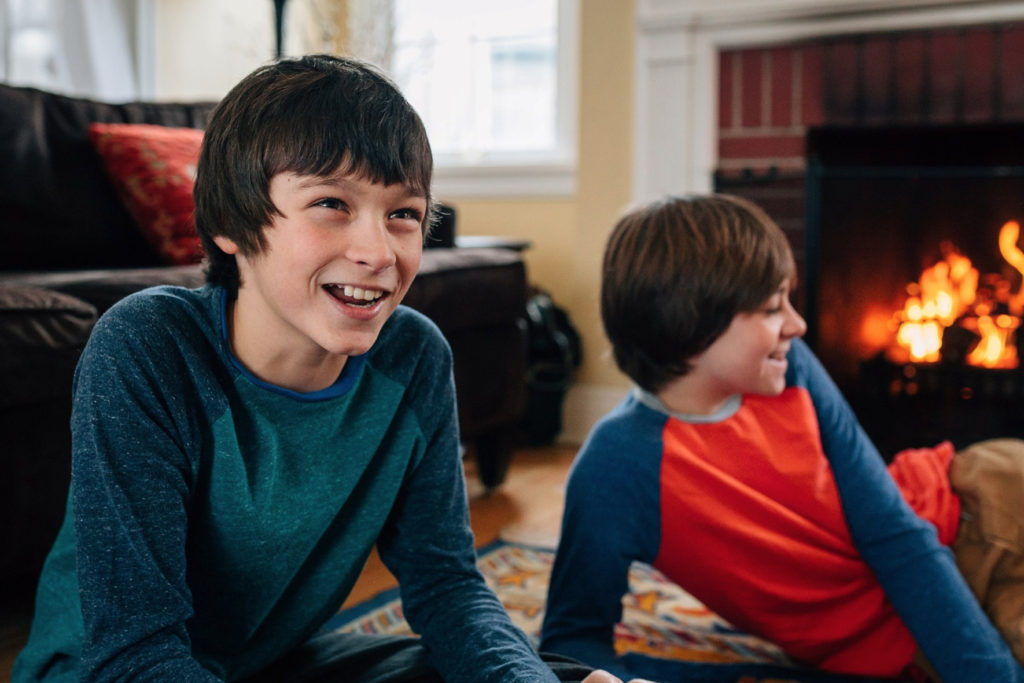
column 469, row 288
column 105, row 287
column 42, row 334
column 478, row 299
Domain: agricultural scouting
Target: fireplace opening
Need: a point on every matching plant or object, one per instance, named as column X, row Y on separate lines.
column 914, row 267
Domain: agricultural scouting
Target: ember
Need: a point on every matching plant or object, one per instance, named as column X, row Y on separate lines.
column 951, row 312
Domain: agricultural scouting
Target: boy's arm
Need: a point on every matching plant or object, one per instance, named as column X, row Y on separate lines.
column 129, row 488
column 918, row 574
column 611, row 518
column 428, row 545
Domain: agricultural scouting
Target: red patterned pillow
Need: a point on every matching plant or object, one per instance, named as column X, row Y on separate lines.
column 153, row 169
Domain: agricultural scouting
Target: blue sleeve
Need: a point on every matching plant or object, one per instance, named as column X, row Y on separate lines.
column 611, row 518
column 917, row 573
column 129, row 491
column 428, row 546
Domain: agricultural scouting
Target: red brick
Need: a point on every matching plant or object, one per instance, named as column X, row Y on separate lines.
column 725, row 83
column 979, row 73
column 751, row 61
column 761, row 147
column 1012, row 74
column 909, row 59
column 945, row 56
column 878, row 79
column 811, row 85
column 782, row 86
column 842, row 80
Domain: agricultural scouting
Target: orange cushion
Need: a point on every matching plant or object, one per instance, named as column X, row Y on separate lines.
column 154, row 169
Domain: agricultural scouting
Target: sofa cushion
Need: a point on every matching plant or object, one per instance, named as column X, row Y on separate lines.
column 59, row 208
column 153, row 169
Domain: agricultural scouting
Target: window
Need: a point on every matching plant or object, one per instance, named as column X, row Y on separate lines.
column 72, row 46
column 495, row 84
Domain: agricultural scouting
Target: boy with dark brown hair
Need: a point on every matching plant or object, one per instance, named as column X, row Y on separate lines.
column 239, row 449
column 737, row 469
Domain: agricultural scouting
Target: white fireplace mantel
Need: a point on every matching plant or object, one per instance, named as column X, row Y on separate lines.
column 677, row 45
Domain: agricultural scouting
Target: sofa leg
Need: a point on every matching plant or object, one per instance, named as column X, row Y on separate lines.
column 493, row 455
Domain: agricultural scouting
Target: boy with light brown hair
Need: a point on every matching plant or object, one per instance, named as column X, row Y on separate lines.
column 736, row 468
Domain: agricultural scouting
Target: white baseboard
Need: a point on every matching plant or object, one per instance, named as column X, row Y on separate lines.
column 584, row 405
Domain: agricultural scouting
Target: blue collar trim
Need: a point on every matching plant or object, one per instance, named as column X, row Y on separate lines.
column 346, row 380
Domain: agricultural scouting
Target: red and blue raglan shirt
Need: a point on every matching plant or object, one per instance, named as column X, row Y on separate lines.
column 780, row 515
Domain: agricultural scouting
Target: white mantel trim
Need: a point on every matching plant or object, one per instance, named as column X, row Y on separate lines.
column 817, row 15
column 677, row 43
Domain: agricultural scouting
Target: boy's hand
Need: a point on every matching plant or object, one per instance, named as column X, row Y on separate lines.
column 600, row 676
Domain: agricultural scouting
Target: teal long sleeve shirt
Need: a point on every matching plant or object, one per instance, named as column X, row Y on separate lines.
column 216, row 521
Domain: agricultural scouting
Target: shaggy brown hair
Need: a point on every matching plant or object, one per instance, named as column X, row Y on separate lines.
column 675, row 274
column 311, row 115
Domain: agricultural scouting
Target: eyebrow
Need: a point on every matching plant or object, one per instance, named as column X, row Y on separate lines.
column 313, row 182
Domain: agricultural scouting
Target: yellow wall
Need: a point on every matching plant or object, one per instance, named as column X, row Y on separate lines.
column 568, row 235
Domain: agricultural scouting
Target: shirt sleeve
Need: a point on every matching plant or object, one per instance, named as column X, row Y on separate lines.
column 611, row 519
column 917, row 573
column 129, row 491
column 428, row 545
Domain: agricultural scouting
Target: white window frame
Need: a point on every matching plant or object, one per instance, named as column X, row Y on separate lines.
column 548, row 173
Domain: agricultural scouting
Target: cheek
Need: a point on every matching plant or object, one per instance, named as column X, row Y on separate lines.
column 409, row 254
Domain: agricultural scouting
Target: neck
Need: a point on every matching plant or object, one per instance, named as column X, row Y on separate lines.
column 688, row 396
column 295, row 369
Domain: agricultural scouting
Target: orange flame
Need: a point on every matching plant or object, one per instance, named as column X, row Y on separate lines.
column 1008, row 236
column 947, row 294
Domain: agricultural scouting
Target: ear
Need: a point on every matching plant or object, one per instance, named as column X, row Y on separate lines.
column 226, row 244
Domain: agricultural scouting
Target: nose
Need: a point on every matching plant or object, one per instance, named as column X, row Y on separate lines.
column 370, row 244
column 794, row 325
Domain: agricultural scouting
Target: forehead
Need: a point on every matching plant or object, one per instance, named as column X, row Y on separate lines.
column 343, row 179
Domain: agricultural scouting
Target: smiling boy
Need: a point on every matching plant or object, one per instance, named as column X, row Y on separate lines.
column 240, row 448
column 736, row 469
column 325, row 281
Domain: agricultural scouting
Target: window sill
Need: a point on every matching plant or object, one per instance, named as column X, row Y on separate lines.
column 540, row 180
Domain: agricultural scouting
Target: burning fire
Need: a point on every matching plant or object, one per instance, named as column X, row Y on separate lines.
column 950, row 294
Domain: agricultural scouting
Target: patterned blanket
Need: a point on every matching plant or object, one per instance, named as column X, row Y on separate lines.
column 659, row 619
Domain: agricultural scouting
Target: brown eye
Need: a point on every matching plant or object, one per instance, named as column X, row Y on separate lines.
column 330, row 203
column 407, row 214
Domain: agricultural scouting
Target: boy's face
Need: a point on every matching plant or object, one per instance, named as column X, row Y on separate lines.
column 335, row 264
column 750, row 356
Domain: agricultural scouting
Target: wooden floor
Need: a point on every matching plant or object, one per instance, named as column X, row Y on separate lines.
column 526, row 508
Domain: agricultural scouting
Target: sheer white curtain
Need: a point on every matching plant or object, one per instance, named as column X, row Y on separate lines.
column 87, row 48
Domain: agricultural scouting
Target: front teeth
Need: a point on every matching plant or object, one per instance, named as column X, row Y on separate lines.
column 360, row 293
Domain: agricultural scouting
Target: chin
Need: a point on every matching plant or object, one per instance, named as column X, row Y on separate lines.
column 350, row 346
column 772, row 388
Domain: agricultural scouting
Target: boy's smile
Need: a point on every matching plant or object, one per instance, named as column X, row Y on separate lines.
column 748, row 358
column 337, row 261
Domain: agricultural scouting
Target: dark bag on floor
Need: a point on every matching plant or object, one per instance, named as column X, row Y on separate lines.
column 554, row 353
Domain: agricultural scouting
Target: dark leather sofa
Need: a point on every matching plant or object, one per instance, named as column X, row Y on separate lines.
column 69, row 250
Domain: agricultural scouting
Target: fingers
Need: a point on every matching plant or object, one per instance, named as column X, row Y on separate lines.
column 600, row 676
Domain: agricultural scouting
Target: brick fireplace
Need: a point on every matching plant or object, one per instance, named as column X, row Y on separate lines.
column 770, row 97
column 863, row 132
